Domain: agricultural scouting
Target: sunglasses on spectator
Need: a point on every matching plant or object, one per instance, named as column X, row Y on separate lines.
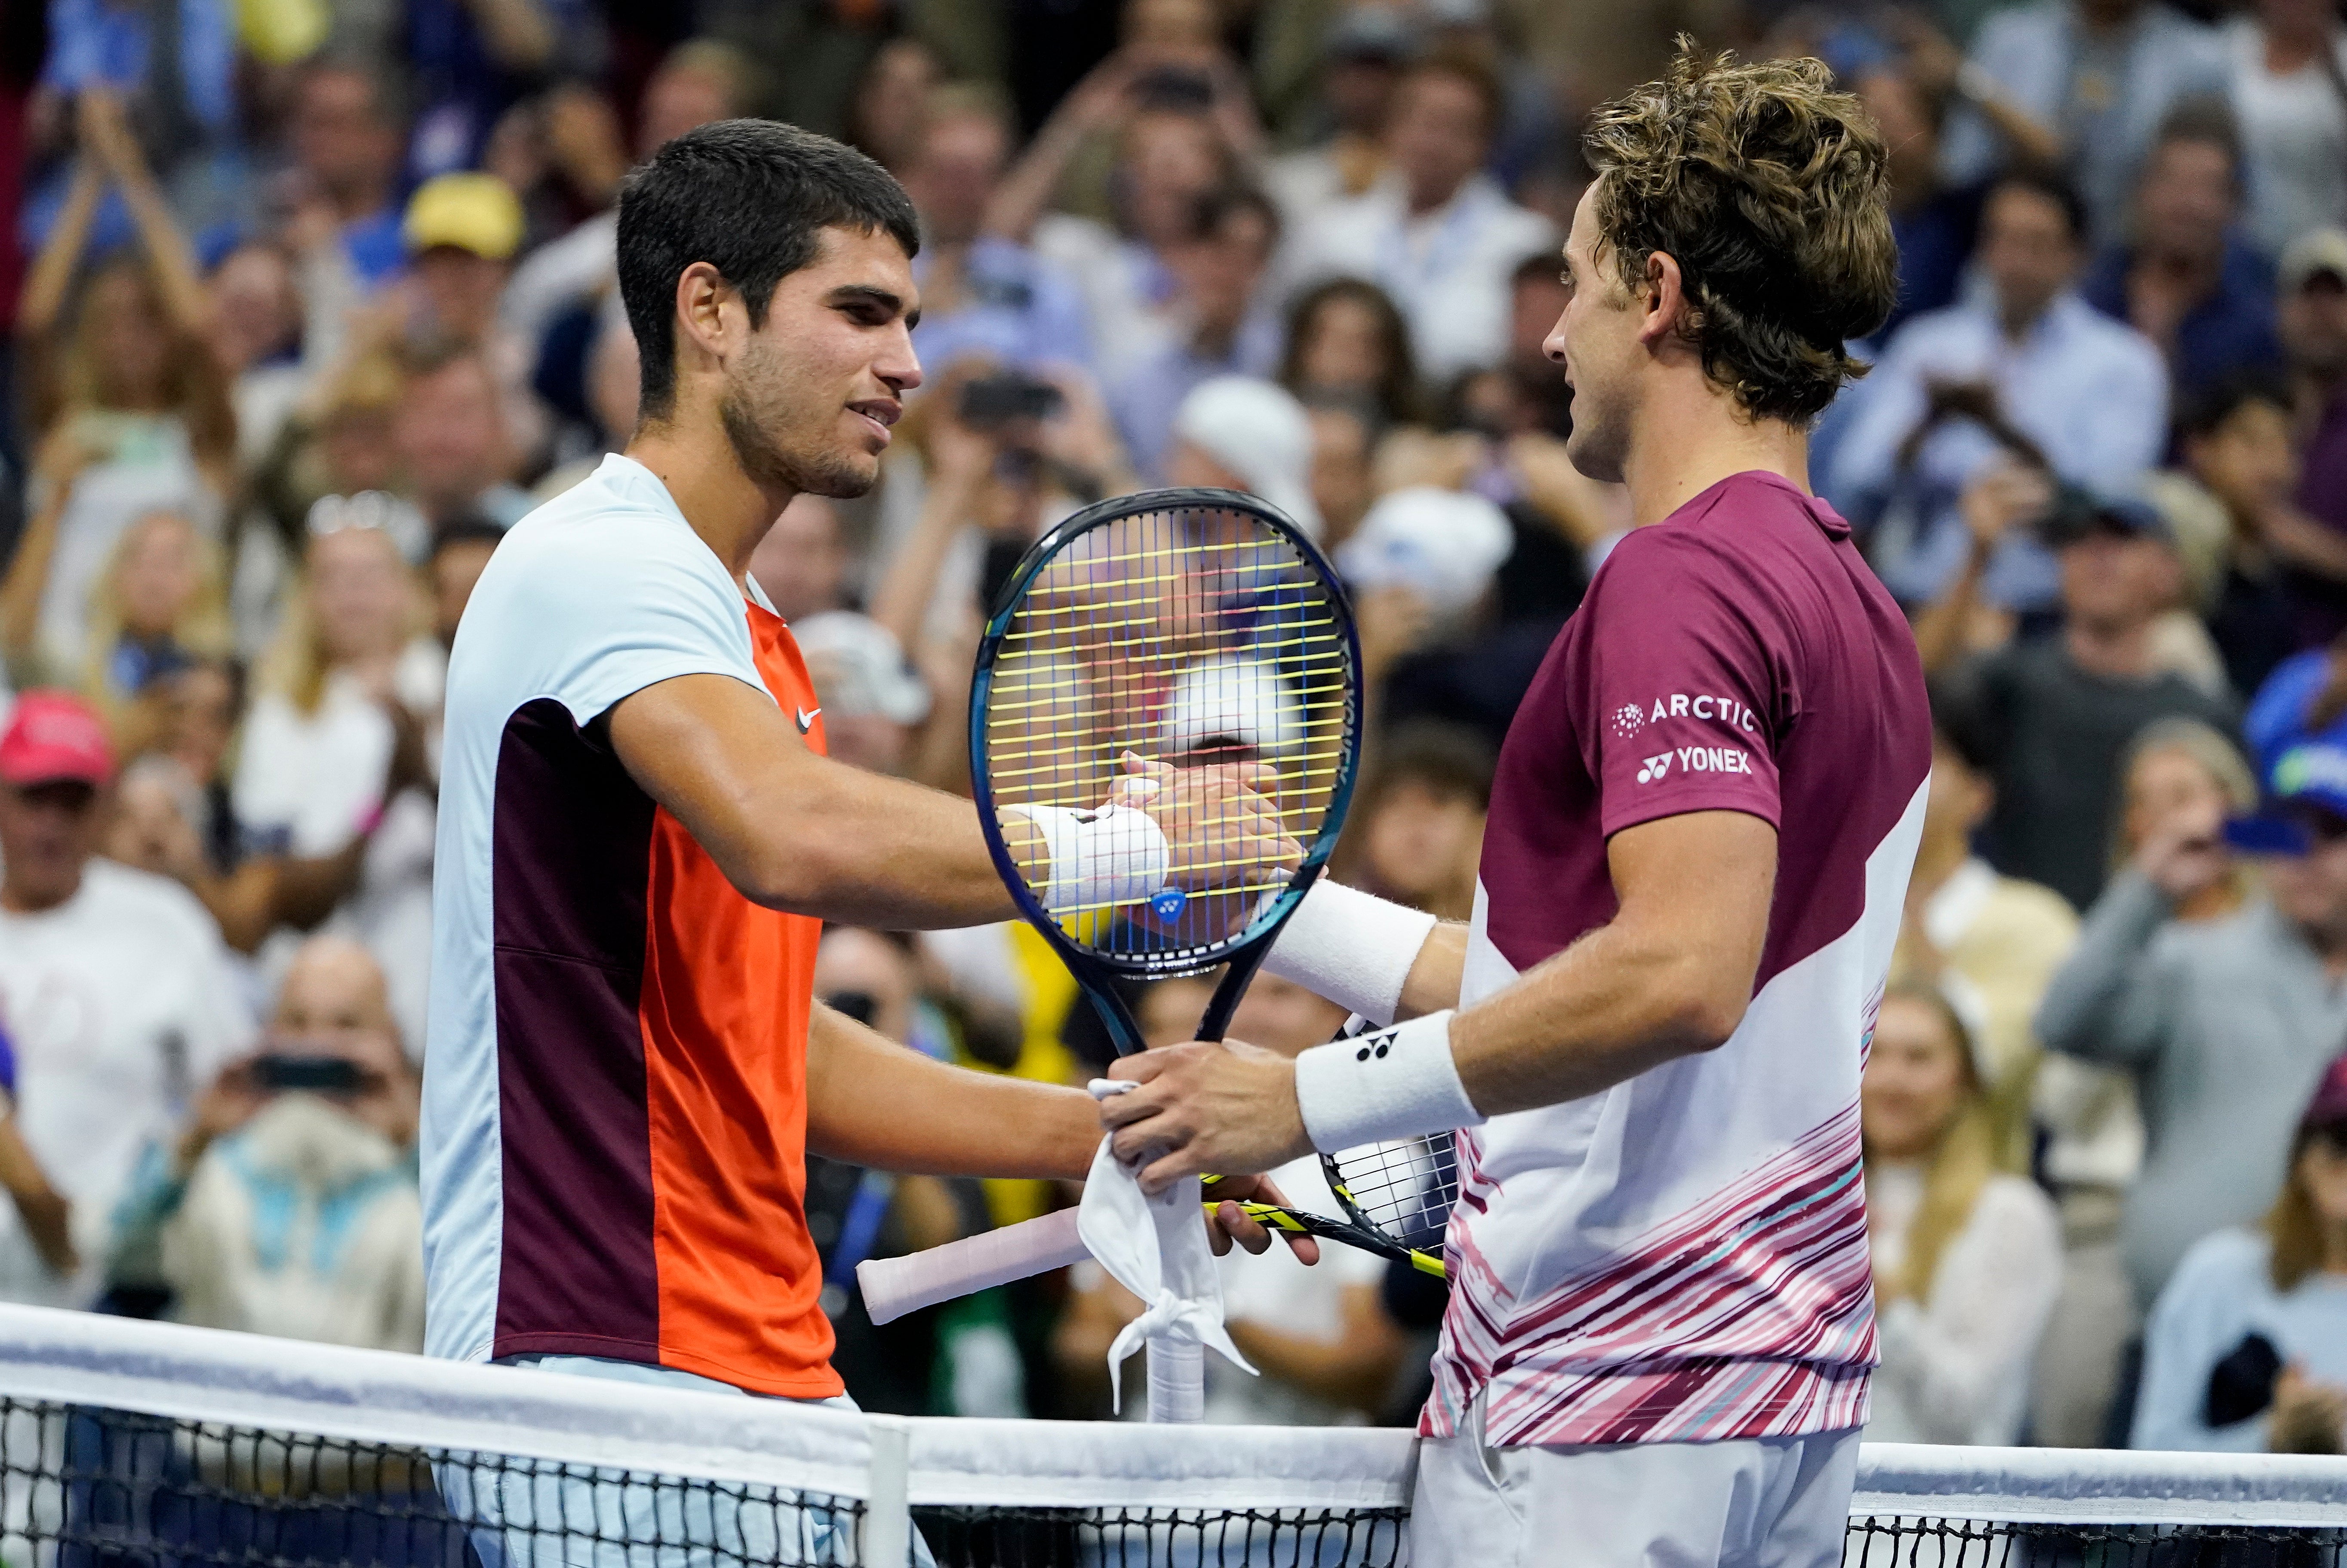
column 375, row 509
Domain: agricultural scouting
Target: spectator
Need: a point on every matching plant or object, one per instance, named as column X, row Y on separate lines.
column 2313, row 320
column 1170, row 152
column 700, row 80
column 2054, row 713
column 1362, row 56
column 462, row 232
column 456, row 448
column 460, row 552
column 1993, row 940
column 1343, row 442
column 2189, row 281
column 2029, row 372
column 1224, row 332
column 891, row 105
column 352, row 677
column 981, row 292
column 2289, row 95
column 1967, row 1259
column 288, row 1204
column 1439, row 235
column 119, row 995
column 132, row 380
column 2078, row 84
column 2225, row 1024
column 1933, row 220
column 872, row 700
column 2253, row 557
column 162, row 605
column 1345, row 339
column 2247, row 1344
column 802, row 562
column 1236, row 433
column 2176, row 771
column 471, row 60
column 1417, row 831
column 345, row 135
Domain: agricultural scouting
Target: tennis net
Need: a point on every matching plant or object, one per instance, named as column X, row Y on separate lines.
column 135, row 1445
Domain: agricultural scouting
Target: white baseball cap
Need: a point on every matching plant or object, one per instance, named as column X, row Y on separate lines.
column 1234, row 702
column 859, row 668
column 1258, row 431
column 1443, row 545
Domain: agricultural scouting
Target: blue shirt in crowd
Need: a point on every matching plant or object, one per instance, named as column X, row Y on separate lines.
column 2092, row 392
column 2221, row 1294
column 2230, row 331
column 1016, row 308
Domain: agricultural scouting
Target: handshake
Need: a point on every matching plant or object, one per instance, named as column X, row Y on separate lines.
column 1163, row 835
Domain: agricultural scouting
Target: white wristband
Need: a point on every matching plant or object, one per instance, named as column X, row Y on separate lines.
column 1400, row 1082
column 1350, row 947
column 1117, row 855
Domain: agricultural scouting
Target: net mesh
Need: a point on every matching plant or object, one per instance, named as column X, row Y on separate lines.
column 1190, row 636
column 133, row 1444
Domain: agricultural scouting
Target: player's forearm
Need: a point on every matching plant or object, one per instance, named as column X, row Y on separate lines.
column 1432, row 983
column 874, row 1102
column 864, row 850
column 1613, row 1005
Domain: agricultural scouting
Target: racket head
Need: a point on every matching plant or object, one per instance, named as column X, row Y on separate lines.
column 1185, row 626
column 1402, row 1190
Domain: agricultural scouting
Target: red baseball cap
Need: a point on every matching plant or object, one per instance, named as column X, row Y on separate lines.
column 54, row 737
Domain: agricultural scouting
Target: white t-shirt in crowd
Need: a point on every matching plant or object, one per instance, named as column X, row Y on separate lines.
column 1955, row 1365
column 2293, row 137
column 122, row 1006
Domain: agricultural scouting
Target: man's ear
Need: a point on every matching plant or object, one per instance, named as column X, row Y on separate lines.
column 709, row 315
column 1663, row 291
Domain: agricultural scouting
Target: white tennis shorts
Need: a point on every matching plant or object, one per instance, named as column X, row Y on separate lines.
column 1751, row 1502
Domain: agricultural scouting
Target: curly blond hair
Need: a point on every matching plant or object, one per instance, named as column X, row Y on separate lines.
column 1766, row 186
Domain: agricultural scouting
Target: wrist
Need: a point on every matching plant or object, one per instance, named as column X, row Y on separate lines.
column 1400, row 1082
column 1352, row 947
column 1117, row 855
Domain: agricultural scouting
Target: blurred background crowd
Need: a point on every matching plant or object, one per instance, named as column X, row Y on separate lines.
column 304, row 303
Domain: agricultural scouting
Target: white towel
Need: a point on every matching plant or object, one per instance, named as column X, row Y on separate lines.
column 1156, row 1248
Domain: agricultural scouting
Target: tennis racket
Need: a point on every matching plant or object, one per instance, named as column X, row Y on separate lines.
column 1144, row 638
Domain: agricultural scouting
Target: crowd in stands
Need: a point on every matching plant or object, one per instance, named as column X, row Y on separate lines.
column 304, row 305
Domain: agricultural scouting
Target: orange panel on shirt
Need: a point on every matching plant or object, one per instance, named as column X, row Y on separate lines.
column 728, row 986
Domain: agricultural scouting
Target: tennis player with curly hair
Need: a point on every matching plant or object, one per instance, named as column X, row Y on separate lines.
column 1662, row 1319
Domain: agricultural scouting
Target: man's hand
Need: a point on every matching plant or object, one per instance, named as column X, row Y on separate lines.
column 2001, row 497
column 2185, row 855
column 1204, row 1106
column 1218, row 825
column 2308, row 1417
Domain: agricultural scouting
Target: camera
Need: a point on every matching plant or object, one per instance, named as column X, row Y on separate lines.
column 992, row 402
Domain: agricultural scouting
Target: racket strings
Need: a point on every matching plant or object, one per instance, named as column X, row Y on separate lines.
column 1179, row 638
column 1404, row 1188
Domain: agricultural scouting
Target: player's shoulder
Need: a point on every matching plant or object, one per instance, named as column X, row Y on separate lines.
column 608, row 541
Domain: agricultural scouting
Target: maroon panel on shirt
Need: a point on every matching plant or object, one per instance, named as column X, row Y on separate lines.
column 572, row 844
column 1738, row 655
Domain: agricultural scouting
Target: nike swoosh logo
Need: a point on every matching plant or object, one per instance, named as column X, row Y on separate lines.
column 807, row 719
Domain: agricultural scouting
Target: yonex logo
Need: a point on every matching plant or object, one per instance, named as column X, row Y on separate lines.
column 1655, row 768
column 1696, row 760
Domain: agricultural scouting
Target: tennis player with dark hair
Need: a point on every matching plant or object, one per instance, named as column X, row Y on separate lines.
column 1662, row 1319
column 641, row 836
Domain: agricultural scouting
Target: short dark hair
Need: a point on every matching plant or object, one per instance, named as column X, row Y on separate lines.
column 1769, row 187
column 2211, row 408
column 2204, row 120
column 751, row 198
column 2047, row 185
column 1219, row 205
column 1449, row 761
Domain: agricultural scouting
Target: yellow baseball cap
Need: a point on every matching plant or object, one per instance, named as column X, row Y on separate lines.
column 476, row 212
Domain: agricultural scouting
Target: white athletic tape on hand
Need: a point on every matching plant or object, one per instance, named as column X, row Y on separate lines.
column 1117, row 855
column 1351, row 947
column 1157, row 1249
column 1400, row 1082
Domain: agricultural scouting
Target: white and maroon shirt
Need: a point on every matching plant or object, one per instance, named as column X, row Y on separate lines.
column 1683, row 1257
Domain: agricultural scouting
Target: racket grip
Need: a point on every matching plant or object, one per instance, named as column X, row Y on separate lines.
column 1177, row 1380
column 896, row 1285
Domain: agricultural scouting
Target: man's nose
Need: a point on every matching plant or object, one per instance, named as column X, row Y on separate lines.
column 900, row 367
